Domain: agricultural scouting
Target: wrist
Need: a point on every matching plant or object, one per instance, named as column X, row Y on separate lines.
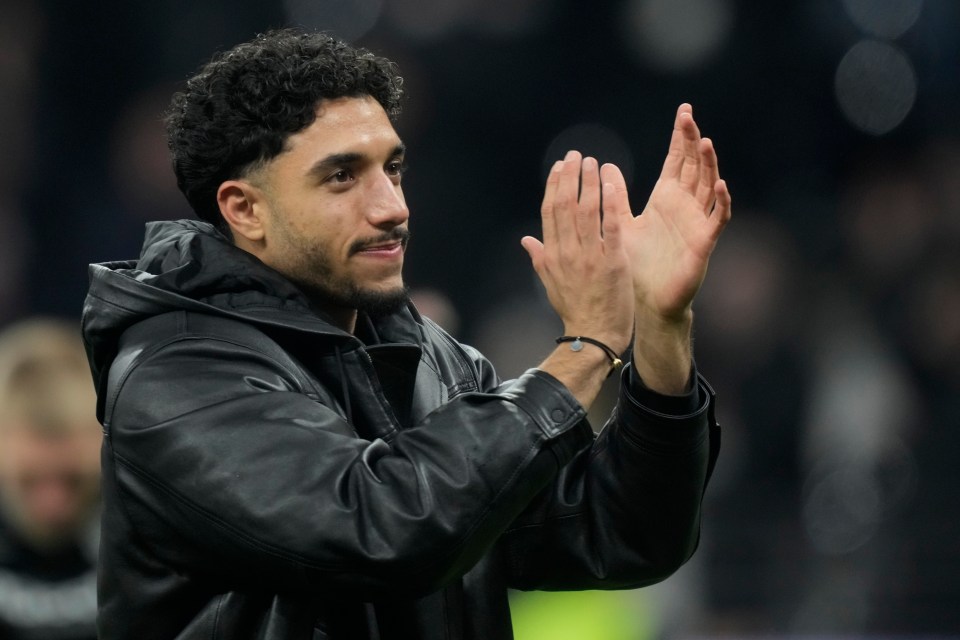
column 663, row 351
column 650, row 322
column 581, row 372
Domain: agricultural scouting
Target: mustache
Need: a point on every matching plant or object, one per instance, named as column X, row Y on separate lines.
column 401, row 234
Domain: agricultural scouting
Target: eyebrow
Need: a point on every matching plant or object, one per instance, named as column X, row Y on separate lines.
column 334, row 160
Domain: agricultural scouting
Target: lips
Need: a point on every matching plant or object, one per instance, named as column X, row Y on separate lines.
column 386, row 246
column 390, row 243
column 387, row 252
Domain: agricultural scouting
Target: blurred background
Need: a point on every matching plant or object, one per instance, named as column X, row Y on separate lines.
column 829, row 323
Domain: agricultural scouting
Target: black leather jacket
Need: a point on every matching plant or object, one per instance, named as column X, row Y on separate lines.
column 267, row 475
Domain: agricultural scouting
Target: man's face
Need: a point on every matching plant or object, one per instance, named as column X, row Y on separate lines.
column 336, row 219
column 49, row 482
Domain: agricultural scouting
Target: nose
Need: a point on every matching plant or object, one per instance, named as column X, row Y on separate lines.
column 387, row 208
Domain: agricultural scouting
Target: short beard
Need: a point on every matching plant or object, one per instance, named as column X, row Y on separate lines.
column 375, row 304
column 326, row 293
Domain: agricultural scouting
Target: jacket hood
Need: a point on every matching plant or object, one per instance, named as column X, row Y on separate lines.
column 188, row 265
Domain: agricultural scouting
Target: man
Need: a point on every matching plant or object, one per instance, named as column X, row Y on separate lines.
column 49, row 481
column 292, row 451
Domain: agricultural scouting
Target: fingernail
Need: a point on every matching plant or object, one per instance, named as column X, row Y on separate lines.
column 558, row 165
column 570, row 155
column 589, row 163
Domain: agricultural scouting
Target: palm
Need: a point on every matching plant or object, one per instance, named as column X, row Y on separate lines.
column 670, row 243
column 669, row 246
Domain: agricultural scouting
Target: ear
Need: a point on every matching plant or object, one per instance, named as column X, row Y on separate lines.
column 242, row 206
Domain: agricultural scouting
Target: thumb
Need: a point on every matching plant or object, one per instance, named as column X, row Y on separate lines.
column 534, row 249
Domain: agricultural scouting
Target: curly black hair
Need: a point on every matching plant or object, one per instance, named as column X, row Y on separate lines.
column 237, row 112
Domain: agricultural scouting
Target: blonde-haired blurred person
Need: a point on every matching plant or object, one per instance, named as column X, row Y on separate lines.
column 49, row 483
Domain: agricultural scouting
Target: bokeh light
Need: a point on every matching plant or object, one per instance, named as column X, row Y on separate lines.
column 884, row 18
column 676, row 35
column 841, row 511
column 875, row 86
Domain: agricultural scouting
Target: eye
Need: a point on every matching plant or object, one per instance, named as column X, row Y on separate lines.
column 341, row 176
column 396, row 167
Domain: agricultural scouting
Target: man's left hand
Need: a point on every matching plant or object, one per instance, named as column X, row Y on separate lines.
column 669, row 246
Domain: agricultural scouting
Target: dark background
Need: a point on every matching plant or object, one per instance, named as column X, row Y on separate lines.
column 830, row 321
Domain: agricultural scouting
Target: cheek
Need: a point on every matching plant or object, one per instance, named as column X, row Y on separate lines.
column 13, row 456
column 328, row 236
column 324, row 220
column 24, row 457
column 60, row 476
column 89, row 453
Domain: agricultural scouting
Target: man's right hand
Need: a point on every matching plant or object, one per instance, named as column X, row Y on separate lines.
column 584, row 267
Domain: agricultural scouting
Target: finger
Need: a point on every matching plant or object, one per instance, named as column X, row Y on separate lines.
column 546, row 208
column 565, row 202
column 612, row 218
column 588, row 209
column 690, row 169
column 616, row 203
column 723, row 209
column 674, row 160
column 534, row 249
column 709, row 174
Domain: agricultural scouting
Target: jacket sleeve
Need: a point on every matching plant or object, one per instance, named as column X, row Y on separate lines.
column 227, row 467
column 624, row 513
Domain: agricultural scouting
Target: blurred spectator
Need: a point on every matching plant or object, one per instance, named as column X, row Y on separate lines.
column 49, row 483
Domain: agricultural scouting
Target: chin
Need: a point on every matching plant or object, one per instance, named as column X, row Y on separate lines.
column 373, row 301
column 381, row 302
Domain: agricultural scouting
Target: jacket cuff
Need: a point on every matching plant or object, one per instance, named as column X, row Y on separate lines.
column 680, row 405
column 641, row 411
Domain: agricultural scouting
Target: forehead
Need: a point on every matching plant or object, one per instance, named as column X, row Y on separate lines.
column 342, row 125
